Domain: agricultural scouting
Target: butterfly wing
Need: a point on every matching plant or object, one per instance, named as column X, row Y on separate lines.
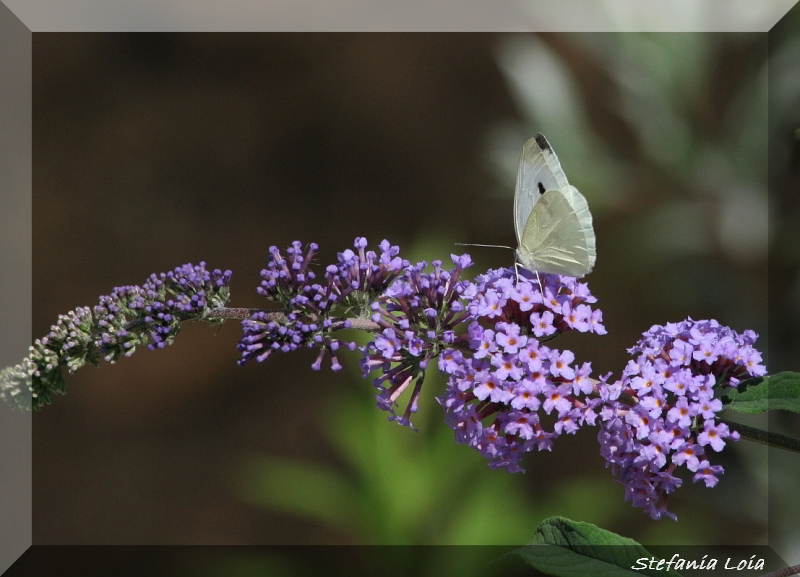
column 558, row 236
column 539, row 170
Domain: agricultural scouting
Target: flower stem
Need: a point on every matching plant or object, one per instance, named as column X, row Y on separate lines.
column 764, row 437
column 783, row 572
column 236, row 313
column 280, row 316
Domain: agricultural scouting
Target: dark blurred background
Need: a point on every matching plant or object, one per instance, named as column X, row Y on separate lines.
column 152, row 150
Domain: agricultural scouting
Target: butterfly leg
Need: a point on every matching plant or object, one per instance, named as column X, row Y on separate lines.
column 539, row 280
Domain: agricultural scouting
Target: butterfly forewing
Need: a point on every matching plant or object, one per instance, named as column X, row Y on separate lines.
column 539, row 171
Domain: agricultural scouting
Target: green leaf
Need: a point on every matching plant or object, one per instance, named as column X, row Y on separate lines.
column 781, row 391
column 565, row 548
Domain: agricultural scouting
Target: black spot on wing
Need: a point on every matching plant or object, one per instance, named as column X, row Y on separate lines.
column 541, row 188
column 542, row 142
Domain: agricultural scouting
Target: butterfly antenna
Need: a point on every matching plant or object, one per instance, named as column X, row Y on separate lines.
column 488, row 246
column 483, row 245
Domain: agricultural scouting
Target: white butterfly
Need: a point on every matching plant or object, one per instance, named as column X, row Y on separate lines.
column 551, row 218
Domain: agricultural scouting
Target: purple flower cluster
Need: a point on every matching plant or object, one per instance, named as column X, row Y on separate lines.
column 116, row 326
column 507, row 392
column 419, row 314
column 547, row 306
column 499, row 392
column 160, row 305
column 312, row 311
column 660, row 416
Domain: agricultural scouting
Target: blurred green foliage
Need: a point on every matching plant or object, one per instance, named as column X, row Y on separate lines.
column 393, row 486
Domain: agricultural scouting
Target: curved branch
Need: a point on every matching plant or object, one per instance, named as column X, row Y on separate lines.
column 280, row 317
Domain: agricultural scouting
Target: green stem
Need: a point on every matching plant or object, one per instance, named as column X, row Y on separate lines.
column 765, row 438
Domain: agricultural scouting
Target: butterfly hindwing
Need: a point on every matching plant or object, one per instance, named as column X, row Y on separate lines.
column 559, row 237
